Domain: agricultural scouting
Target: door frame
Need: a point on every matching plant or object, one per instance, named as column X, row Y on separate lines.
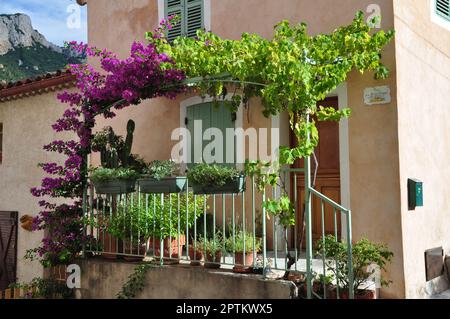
column 341, row 92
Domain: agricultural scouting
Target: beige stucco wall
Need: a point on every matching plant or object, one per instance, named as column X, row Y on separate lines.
column 423, row 64
column 373, row 142
column 26, row 128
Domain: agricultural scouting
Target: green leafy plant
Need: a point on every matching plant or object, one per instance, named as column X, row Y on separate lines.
column 212, row 174
column 135, row 282
column 161, row 169
column 40, row 288
column 211, row 245
column 101, row 174
column 156, row 219
column 364, row 254
column 241, row 239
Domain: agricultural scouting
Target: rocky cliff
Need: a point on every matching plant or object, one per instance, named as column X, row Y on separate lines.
column 24, row 52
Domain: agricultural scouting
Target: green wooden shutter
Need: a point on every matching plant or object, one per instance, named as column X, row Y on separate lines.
column 175, row 7
column 194, row 14
column 211, row 116
column 443, row 8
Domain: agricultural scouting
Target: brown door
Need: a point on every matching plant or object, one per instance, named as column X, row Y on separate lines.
column 327, row 180
column 8, row 248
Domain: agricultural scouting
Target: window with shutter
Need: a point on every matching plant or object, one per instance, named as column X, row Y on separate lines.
column 211, row 116
column 191, row 13
column 443, row 9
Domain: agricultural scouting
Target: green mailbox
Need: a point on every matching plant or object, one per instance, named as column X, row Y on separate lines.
column 415, row 193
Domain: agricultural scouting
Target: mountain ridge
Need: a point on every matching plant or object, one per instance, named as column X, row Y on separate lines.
column 25, row 52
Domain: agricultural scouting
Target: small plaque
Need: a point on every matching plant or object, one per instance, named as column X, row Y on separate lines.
column 434, row 263
column 377, row 95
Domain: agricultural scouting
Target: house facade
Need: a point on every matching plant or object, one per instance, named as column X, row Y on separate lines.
column 28, row 109
column 364, row 162
column 398, row 129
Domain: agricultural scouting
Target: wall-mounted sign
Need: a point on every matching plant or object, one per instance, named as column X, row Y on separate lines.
column 377, row 95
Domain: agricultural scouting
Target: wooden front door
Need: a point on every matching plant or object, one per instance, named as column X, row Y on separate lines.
column 327, row 180
column 8, row 248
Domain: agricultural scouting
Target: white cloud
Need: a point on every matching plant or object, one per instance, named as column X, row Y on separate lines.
column 49, row 18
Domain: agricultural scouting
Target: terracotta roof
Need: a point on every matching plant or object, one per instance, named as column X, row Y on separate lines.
column 35, row 86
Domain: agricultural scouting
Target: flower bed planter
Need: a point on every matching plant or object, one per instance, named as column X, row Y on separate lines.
column 115, row 187
column 239, row 262
column 234, row 186
column 360, row 294
column 170, row 247
column 165, row 185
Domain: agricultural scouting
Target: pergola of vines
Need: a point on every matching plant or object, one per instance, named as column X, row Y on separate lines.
column 291, row 72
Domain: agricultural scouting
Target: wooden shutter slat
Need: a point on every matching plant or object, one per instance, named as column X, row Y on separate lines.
column 443, row 8
column 194, row 17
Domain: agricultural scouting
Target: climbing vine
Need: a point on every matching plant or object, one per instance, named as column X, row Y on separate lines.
column 135, row 282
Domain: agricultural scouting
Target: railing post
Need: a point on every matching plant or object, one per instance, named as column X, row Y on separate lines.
column 308, row 221
column 350, row 255
column 84, row 204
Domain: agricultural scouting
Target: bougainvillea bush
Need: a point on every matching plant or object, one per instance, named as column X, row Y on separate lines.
column 120, row 83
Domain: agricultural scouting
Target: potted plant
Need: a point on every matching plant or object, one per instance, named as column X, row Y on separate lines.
column 161, row 177
column 119, row 168
column 130, row 225
column 168, row 223
column 216, row 179
column 113, row 181
column 240, row 243
column 365, row 255
column 213, row 250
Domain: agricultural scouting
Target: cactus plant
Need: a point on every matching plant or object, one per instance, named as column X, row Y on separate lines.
column 125, row 152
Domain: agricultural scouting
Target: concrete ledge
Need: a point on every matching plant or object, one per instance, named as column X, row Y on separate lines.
column 103, row 279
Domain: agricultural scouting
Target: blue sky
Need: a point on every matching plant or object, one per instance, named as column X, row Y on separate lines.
column 50, row 18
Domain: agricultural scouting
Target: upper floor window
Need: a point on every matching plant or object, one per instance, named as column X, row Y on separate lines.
column 443, row 9
column 192, row 17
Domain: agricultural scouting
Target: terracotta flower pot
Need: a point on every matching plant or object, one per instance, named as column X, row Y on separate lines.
column 170, row 247
column 198, row 258
column 213, row 260
column 109, row 245
column 239, row 262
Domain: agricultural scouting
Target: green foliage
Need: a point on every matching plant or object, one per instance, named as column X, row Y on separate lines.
column 114, row 151
column 147, row 217
column 135, row 282
column 212, row 174
column 240, row 240
column 264, row 173
column 100, row 174
column 364, row 254
column 36, row 60
column 294, row 70
column 211, row 245
column 161, row 169
column 283, row 209
column 331, row 114
column 40, row 288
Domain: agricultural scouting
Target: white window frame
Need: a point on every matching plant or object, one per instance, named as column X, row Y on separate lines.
column 437, row 18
